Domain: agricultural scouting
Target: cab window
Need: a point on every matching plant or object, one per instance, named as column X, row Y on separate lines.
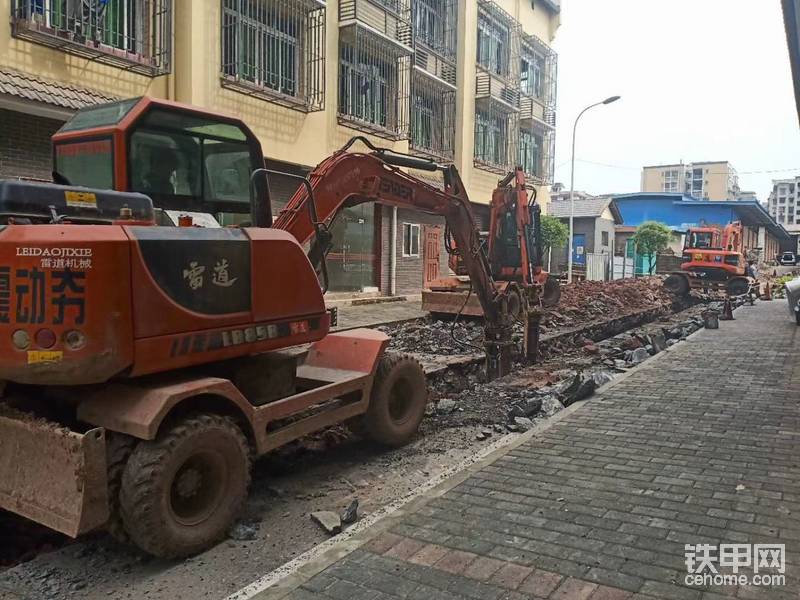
column 88, row 163
column 184, row 162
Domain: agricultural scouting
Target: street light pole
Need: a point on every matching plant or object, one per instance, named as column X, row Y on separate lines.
column 572, row 185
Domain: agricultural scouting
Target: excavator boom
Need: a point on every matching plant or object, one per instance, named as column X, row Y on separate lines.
column 350, row 178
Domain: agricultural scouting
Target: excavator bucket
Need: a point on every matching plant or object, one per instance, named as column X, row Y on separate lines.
column 451, row 303
column 52, row 475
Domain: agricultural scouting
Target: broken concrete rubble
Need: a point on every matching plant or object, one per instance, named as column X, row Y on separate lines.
column 328, row 520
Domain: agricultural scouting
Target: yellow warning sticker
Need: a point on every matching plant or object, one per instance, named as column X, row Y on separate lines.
column 44, row 356
column 81, row 199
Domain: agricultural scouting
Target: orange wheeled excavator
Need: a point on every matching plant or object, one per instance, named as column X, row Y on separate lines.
column 142, row 366
column 713, row 260
column 514, row 248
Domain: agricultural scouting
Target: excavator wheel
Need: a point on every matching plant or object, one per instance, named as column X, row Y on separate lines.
column 118, row 449
column 677, row 284
column 181, row 492
column 551, row 293
column 738, row 286
column 398, row 401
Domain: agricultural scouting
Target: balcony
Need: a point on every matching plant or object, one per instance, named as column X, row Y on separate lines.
column 538, row 76
column 497, row 78
column 435, row 24
column 389, row 19
column 133, row 35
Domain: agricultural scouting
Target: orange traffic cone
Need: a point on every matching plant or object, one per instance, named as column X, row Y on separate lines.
column 727, row 311
column 767, row 295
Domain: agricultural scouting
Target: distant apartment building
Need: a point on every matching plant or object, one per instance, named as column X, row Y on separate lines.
column 783, row 203
column 467, row 82
column 559, row 194
column 701, row 180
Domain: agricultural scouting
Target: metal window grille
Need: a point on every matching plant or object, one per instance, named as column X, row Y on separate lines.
column 538, row 77
column 498, row 55
column 374, row 82
column 496, row 137
column 436, row 25
column 433, row 118
column 275, row 49
column 537, row 154
column 435, row 37
column 133, row 35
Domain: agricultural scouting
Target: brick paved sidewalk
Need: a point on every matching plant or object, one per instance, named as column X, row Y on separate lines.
column 700, row 445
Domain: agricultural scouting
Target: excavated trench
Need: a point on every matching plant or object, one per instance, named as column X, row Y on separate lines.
column 562, row 354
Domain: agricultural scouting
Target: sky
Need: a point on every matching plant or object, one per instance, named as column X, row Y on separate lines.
column 700, row 80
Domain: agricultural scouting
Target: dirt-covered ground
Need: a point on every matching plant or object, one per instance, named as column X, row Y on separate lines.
column 327, row 471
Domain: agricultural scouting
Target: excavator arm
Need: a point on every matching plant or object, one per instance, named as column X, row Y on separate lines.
column 350, row 178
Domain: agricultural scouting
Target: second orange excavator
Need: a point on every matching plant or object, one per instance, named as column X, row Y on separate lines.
column 713, row 260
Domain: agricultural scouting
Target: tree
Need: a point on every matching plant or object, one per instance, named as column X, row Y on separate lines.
column 554, row 233
column 652, row 237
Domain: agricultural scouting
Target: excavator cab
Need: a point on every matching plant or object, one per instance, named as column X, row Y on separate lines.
column 192, row 163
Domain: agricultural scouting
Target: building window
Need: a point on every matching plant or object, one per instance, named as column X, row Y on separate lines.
column 491, row 138
column 432, row 118
column 131, row 34
column 531, row 145
column 604, row 238
column 532, row 75
column 494, row 45
column 373, row 86
column 429, row 25
column 410, row 239
column 275, row 50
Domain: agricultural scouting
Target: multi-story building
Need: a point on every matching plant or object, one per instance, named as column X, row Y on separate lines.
column 463, row 81
column 701, row 180
column 783, row 203
column 559, row 194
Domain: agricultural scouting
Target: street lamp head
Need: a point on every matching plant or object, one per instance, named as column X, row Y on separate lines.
column 612, row 99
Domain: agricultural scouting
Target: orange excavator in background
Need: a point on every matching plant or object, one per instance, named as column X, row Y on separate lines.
column 713, row 260
column 142, row 366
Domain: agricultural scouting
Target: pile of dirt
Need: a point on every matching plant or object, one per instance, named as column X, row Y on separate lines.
column 587, row 301
column 581, row 303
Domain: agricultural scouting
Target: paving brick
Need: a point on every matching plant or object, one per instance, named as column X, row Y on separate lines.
column 484, row 567
column 405, row 548
column 382, row 543
column 455, row 561
column 573, row 589
column 609, row 593
column 669, row 591
column 428, row 555
column 540, row 583
column 511, row 575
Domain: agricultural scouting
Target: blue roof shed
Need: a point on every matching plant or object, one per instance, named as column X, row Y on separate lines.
column 680, row 212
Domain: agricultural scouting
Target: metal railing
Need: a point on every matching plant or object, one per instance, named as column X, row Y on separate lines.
column 275, row 50
column 433, row 118
column 435, row 27
column 374, row 83
column 538, row 81
column 134, row 35
column 496, row 137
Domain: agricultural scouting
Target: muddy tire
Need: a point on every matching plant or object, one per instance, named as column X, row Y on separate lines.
column 118, row 449
column 398, row 401
column 181, row 492
column 677, row 284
